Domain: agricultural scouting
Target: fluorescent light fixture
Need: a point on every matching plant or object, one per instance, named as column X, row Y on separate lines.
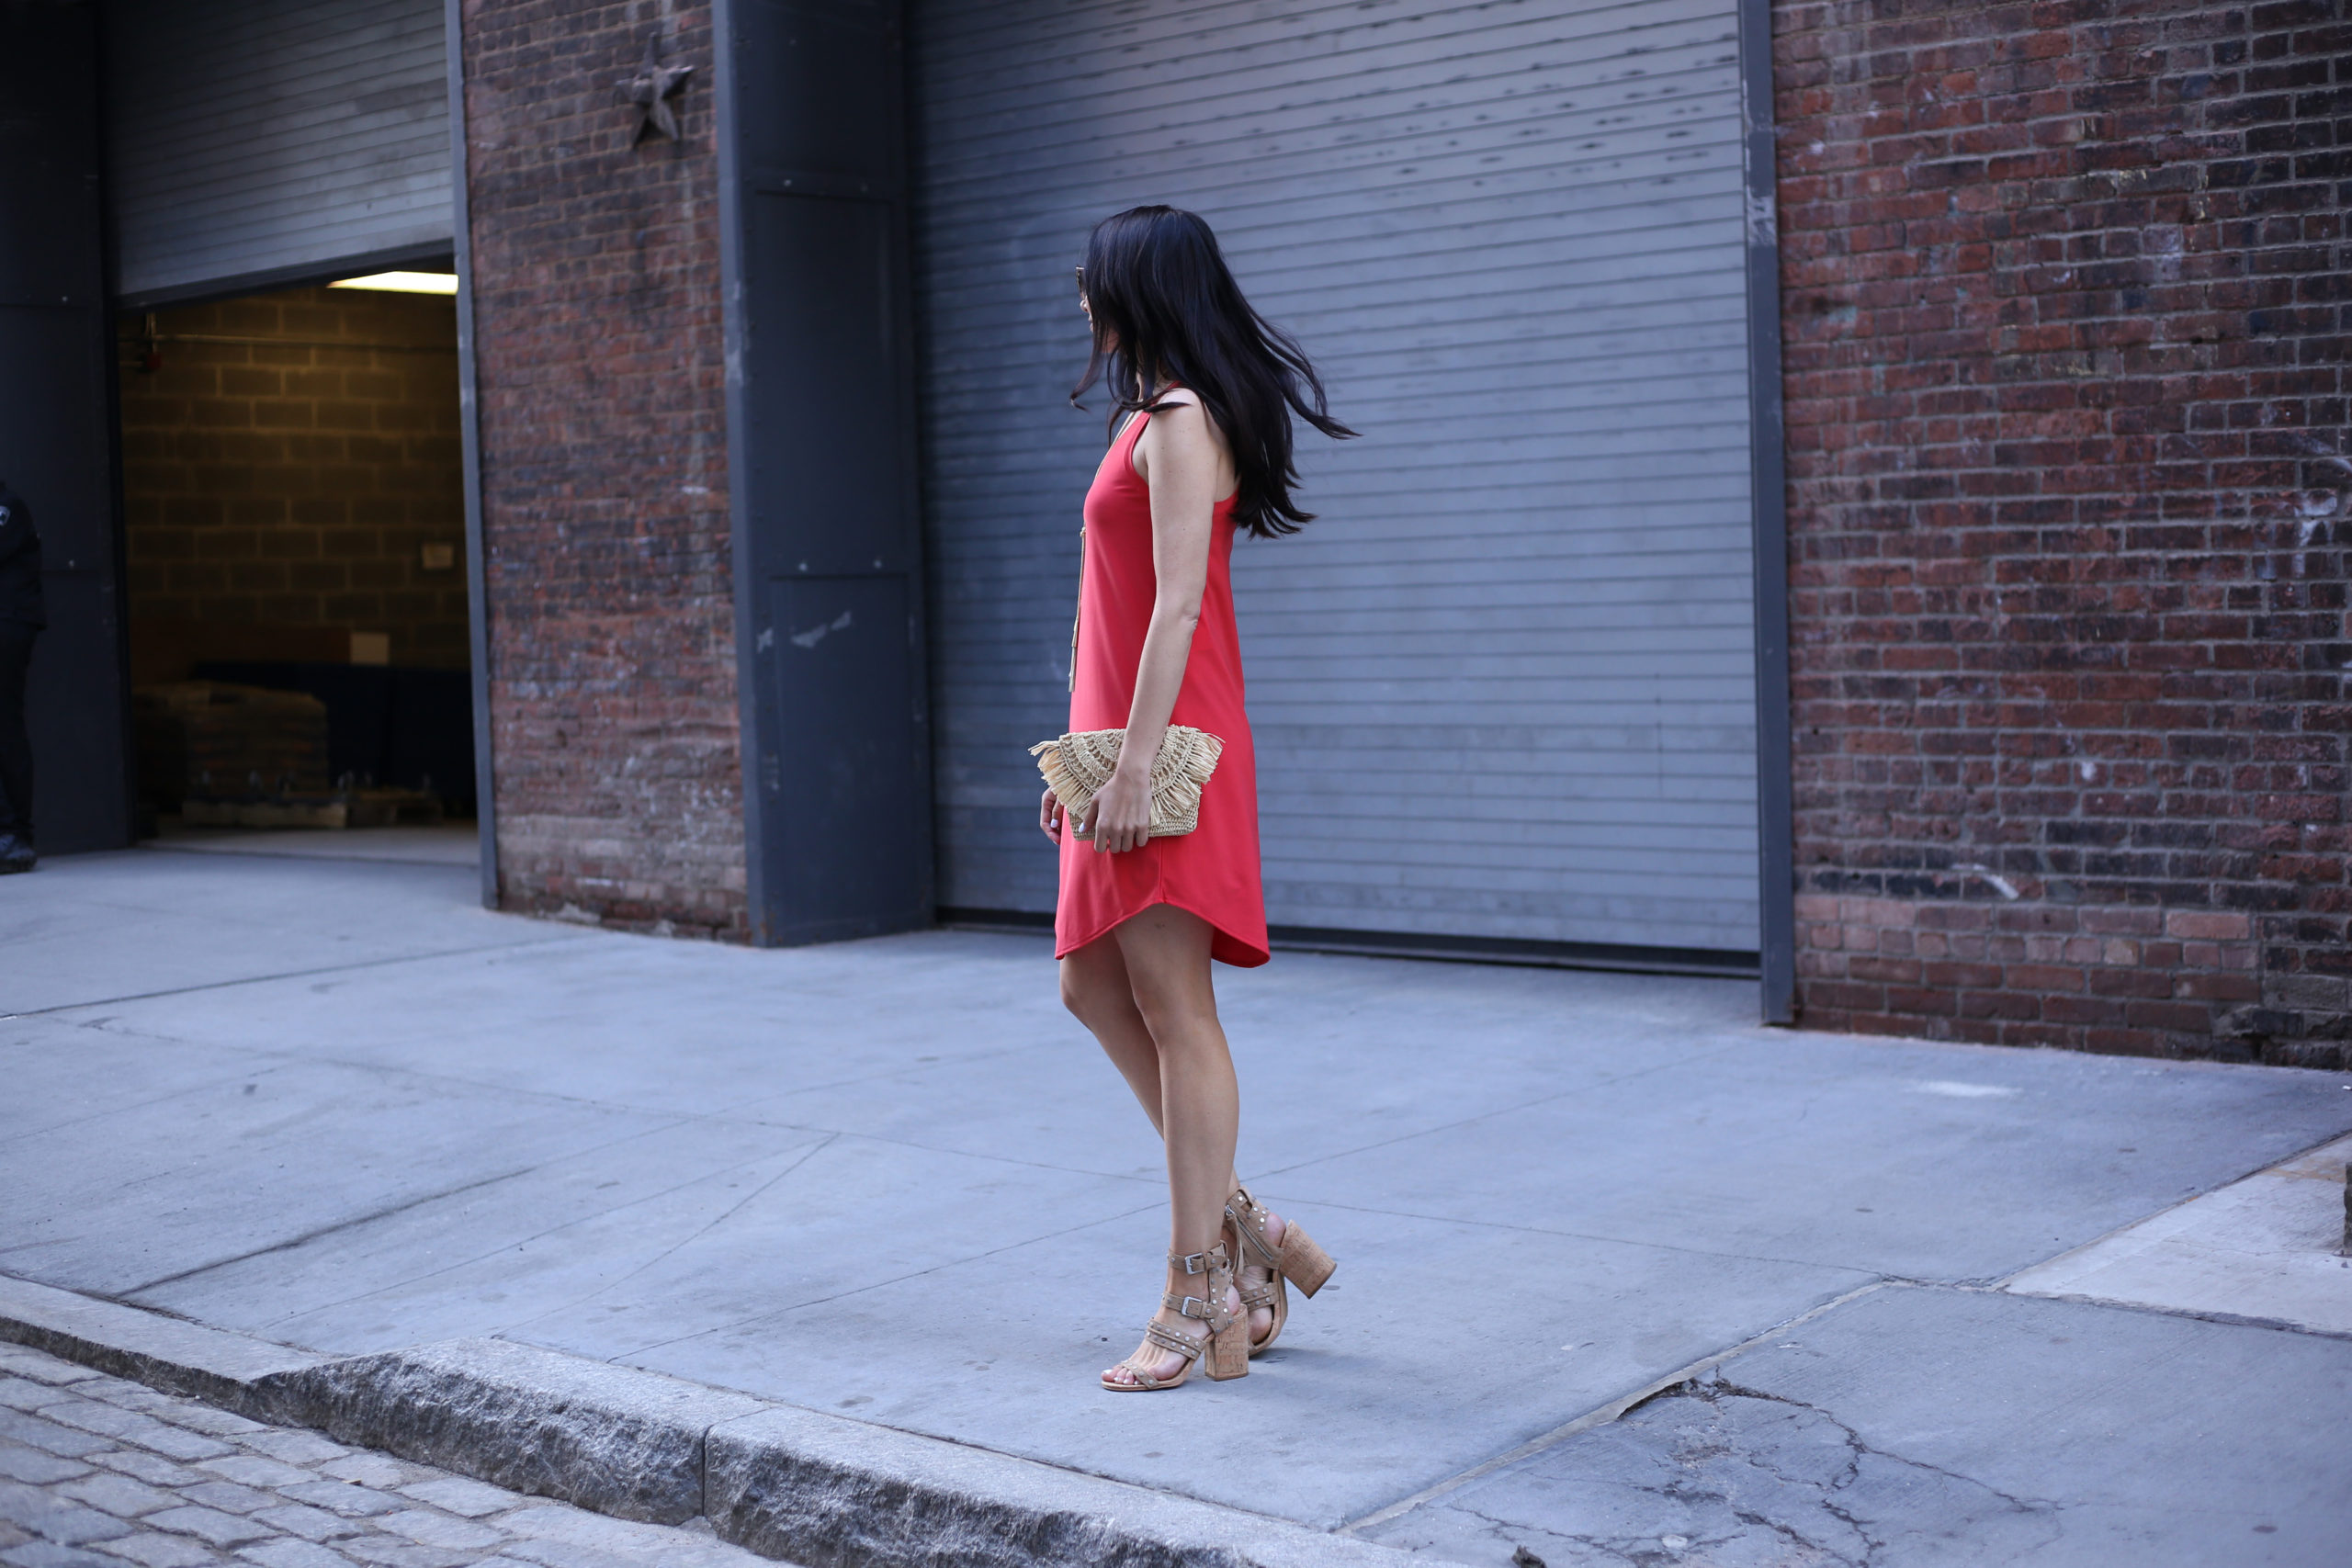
column 403, row 282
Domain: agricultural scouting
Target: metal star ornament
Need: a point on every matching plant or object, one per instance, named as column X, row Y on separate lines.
column 650, row 91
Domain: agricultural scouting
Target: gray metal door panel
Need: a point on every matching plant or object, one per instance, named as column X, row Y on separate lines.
column 847, row 788
column 1504, row 687
column 826, row 447
column 337, row 148
column 55, row 442
column 837, row 780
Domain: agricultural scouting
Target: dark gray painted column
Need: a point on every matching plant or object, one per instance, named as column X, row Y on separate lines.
column 1767, row 470
column 57, row 420
column 469, row 444
column 822, row 469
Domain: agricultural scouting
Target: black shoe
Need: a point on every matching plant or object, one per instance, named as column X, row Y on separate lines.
column 15, row 853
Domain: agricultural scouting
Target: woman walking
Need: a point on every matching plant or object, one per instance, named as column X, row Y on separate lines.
column 1205, row 387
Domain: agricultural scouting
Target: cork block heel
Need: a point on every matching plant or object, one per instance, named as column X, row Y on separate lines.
column 1305, row 1264
column 1228, row 1353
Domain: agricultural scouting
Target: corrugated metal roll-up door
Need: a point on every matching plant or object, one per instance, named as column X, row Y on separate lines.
column 258, row 140
column 1503, row 689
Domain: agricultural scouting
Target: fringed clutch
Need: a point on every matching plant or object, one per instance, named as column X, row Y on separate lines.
column 1078, row 766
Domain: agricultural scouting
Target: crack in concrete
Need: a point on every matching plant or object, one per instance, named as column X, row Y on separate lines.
column 1813, row 1517
column 1518, row 1535
column 1639, row 1552
column 1615, row 1410
column 1714, row 1389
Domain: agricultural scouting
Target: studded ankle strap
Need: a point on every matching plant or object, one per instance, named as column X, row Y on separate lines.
column 1218, row 1268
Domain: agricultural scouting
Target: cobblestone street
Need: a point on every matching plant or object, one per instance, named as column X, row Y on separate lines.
column 95, row 1473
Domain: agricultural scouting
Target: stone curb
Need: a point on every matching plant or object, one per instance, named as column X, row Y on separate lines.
column 833, row 1493
column 819, row 1490
column 165, row 1353
column 612, row 1438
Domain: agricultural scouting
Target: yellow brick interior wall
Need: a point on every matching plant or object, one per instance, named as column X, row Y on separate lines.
column 292, row 479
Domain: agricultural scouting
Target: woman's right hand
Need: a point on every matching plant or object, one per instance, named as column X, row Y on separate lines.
column 1050, row 816
column 1119, row 817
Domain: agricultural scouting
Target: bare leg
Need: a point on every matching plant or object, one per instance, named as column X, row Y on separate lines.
column 1097, row 987
column 1145, row 992
column 1167, row 953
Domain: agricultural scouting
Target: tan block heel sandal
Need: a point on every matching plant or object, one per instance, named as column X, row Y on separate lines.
column 1298, row 1259
column 1224, row 1349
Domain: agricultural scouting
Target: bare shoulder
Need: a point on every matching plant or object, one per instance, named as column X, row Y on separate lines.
column 1181, row 415
column 1182, row 429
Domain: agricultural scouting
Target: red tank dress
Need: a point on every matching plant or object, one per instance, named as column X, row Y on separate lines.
column 1211, row 872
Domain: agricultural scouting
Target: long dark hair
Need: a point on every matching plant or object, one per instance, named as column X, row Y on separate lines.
column 1165, row 304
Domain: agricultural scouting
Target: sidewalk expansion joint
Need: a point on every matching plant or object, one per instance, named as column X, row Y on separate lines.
column 2194, row 1315
column 292, row 974
column 306, row 1238
column 2008, row 1280
column 820, row 1490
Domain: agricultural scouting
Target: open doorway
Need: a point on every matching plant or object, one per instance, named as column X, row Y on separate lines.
column 293, row 503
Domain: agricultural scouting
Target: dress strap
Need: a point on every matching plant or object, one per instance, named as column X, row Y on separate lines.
column 1077, row 610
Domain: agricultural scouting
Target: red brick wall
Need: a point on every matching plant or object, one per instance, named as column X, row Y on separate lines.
column 604, row 458
column 2064, row 298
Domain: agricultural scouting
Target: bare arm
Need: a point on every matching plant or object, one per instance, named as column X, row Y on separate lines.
column 1182, row 458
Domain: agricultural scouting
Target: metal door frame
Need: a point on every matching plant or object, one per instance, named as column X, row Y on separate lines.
column 1768, row 487
column 469, row 447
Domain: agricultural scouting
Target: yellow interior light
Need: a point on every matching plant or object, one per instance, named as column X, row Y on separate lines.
column 403, row 282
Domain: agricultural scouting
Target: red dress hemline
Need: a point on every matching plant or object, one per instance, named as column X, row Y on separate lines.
column 1224, row 945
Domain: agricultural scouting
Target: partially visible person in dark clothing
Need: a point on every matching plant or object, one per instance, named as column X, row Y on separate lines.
column 22, row 615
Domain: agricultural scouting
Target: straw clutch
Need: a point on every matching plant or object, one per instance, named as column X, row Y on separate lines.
column 1077, row 766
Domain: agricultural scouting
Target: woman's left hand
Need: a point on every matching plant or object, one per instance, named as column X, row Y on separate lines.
column 1121, row 814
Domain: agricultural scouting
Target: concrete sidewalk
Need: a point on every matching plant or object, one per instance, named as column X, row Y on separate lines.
column 332, row 1103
